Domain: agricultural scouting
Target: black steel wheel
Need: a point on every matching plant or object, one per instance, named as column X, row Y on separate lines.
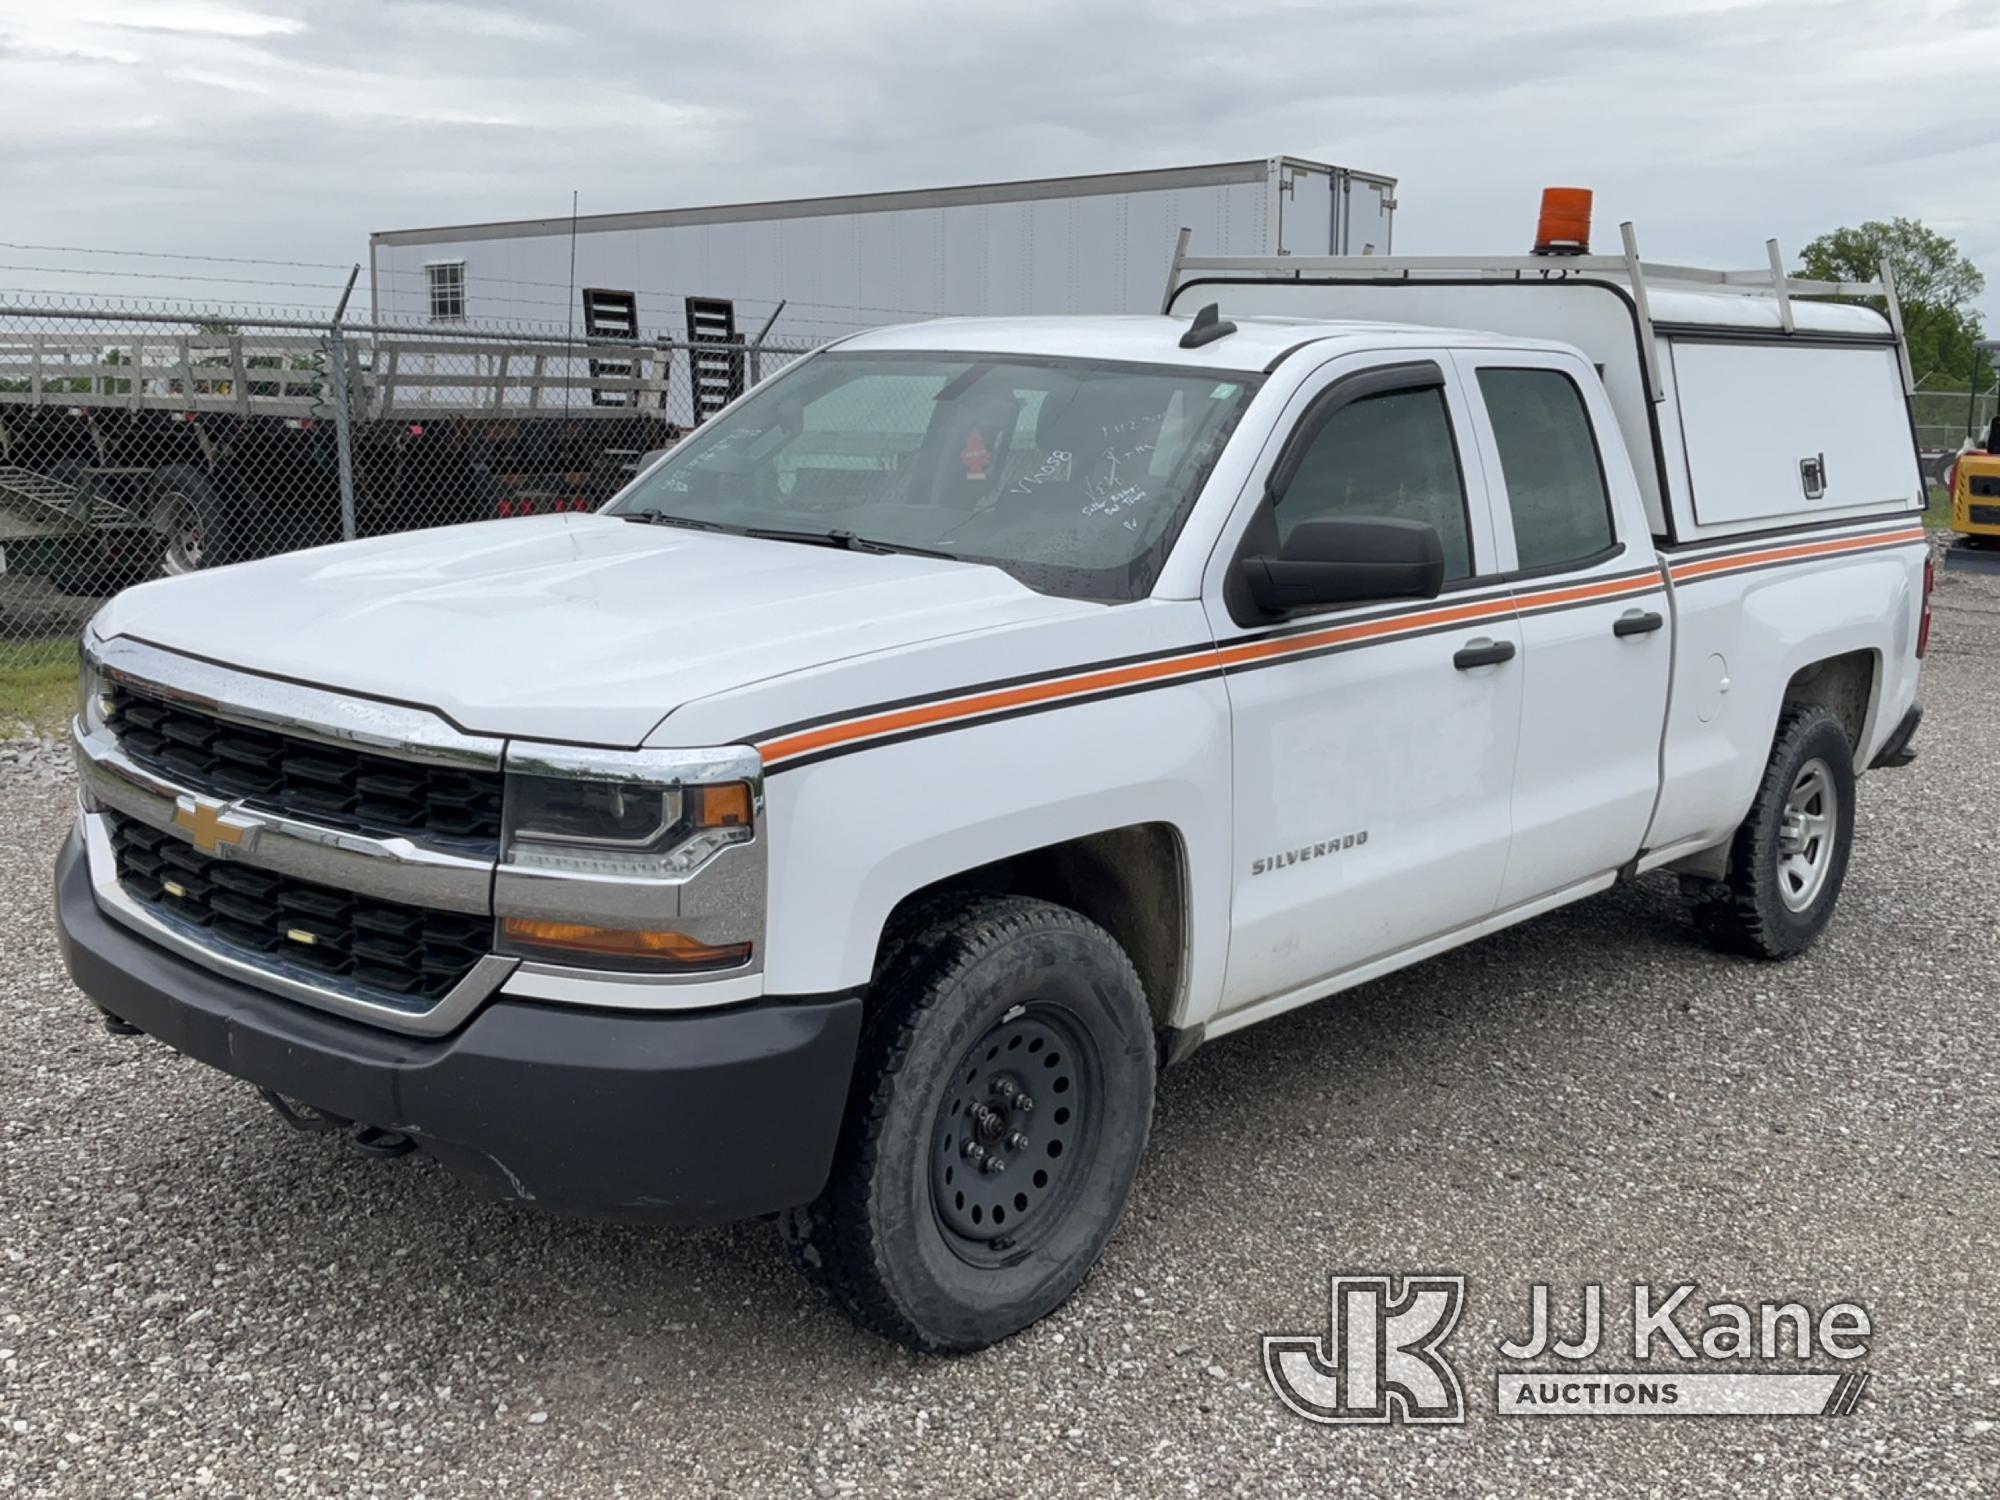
column 1002, row 1097
column 1015, row 1136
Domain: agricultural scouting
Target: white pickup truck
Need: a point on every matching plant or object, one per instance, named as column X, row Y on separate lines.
column 850, row 820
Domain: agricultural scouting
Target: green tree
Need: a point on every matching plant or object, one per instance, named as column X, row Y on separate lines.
column 1934, row 282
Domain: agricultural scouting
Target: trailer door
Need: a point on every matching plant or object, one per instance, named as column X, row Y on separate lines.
column 1307, row 198
column 1365, row 216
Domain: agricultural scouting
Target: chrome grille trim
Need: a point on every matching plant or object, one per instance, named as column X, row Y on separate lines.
column 309, row 713
column 307, row 988
column 391, row 869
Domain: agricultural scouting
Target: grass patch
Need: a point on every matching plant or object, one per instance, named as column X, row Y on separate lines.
column 1937, row 512
column 37, row 685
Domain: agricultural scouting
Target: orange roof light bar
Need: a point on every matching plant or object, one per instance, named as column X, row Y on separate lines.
column 1564, row 227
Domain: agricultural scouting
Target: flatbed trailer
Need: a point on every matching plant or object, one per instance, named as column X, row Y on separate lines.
column 170, row 448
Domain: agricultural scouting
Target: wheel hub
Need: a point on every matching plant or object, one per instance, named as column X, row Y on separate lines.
column 1004, row 1146
column 182, row 533
column 1808, row 827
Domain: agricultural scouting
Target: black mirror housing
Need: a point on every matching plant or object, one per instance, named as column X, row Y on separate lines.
column 1348, row 560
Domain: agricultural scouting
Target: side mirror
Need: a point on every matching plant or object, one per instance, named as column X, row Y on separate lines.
column 1346, row 561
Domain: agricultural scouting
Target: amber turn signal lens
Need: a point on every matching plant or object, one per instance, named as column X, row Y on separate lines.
column 724, row 805
column 656, row 949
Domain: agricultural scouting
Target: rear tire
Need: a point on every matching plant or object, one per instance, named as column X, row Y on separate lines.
column 1788, row 859
column 983, row 1003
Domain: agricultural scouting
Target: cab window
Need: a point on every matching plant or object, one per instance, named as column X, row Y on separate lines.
column 1386, row 455
column 1548, row 458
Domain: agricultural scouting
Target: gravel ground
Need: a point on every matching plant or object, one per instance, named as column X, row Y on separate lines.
column 194, row 1299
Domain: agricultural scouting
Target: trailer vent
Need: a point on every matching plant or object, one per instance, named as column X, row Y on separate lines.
column 611, row 315
column 717, row 372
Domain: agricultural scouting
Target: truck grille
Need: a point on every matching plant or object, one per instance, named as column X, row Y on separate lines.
column 1985, row 515
column 402, row 952
column 326, row 784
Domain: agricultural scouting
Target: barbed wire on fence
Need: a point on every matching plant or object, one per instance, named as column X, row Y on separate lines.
column 392, row 273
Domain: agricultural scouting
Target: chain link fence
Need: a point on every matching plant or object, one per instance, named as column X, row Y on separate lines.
column 140, row 444
column 1946, row 416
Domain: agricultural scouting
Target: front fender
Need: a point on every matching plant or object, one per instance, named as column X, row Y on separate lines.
column 853, row 835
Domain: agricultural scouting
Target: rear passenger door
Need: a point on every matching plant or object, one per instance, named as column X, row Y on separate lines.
column 1596, row 649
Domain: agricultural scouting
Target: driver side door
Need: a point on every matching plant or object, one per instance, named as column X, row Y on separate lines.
column 1373, row 743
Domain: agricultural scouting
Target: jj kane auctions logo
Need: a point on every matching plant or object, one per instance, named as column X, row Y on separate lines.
column 1382, row 1358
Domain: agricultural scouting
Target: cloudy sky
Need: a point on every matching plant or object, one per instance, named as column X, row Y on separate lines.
column 286, row 130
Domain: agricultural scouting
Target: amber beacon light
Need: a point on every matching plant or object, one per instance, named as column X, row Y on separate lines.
column 1564, row 227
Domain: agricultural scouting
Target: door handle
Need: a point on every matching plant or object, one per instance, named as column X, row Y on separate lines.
column 1482, row 653
column 1638, row 622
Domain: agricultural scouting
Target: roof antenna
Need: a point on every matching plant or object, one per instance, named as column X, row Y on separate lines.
column 1207, row 327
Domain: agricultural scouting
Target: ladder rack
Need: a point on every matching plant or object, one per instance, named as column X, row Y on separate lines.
column 1768, row 280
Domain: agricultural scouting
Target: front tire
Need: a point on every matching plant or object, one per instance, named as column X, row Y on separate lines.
column 1002, row 1099
column 1788, row 859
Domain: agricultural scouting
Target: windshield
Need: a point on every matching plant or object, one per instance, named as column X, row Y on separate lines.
column 1073, row 475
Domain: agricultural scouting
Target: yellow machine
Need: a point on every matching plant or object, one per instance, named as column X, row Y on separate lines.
column 1975, row 492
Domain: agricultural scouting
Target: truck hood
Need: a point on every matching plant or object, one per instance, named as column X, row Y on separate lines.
column 581, row 628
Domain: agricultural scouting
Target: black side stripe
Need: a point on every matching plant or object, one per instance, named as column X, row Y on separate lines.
column 1775, row 535
column 1792, row 562
column 997, row 716
column 1200, row 666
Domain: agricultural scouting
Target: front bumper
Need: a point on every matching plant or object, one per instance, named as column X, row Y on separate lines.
column 681, row 1117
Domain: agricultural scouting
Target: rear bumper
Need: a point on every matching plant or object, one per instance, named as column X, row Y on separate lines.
column 687, row 1117
column 1898, row 749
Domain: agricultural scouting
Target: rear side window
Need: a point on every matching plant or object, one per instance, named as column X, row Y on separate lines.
column 1548, row 457
column 1386, row 455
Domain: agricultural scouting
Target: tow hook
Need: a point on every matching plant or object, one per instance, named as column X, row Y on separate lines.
column 367, row 1140
column 306, row 1119
column 381, row 1145
column 118, row 1026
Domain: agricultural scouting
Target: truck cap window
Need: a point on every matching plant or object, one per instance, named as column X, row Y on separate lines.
column 1386, row 455
column 1548, row 458
column 1072, row 475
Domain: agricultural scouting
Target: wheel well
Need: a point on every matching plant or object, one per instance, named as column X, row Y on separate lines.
column 1844, row 684
column 1131, row 881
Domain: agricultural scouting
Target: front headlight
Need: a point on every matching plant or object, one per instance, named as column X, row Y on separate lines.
column 631, row 860
column 635, row 829
column 93, row 693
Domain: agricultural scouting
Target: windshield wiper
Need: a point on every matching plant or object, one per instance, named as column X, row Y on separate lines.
column 663, row 518
column 846, row 541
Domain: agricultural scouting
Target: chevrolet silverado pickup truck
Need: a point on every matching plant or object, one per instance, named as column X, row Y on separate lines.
column 849, row 821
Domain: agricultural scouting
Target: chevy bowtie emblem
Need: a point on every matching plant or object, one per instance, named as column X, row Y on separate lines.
column 214, row 827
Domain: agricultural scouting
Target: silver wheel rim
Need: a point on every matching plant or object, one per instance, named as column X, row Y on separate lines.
column 181, row 526
column 1808, row 829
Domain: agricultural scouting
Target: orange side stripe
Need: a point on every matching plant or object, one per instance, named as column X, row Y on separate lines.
column 928, row 714
column 924, row 716
column 1710, row 565
column 1367, row 630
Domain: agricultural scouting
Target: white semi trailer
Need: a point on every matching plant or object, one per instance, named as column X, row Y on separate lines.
column 1095, row 244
